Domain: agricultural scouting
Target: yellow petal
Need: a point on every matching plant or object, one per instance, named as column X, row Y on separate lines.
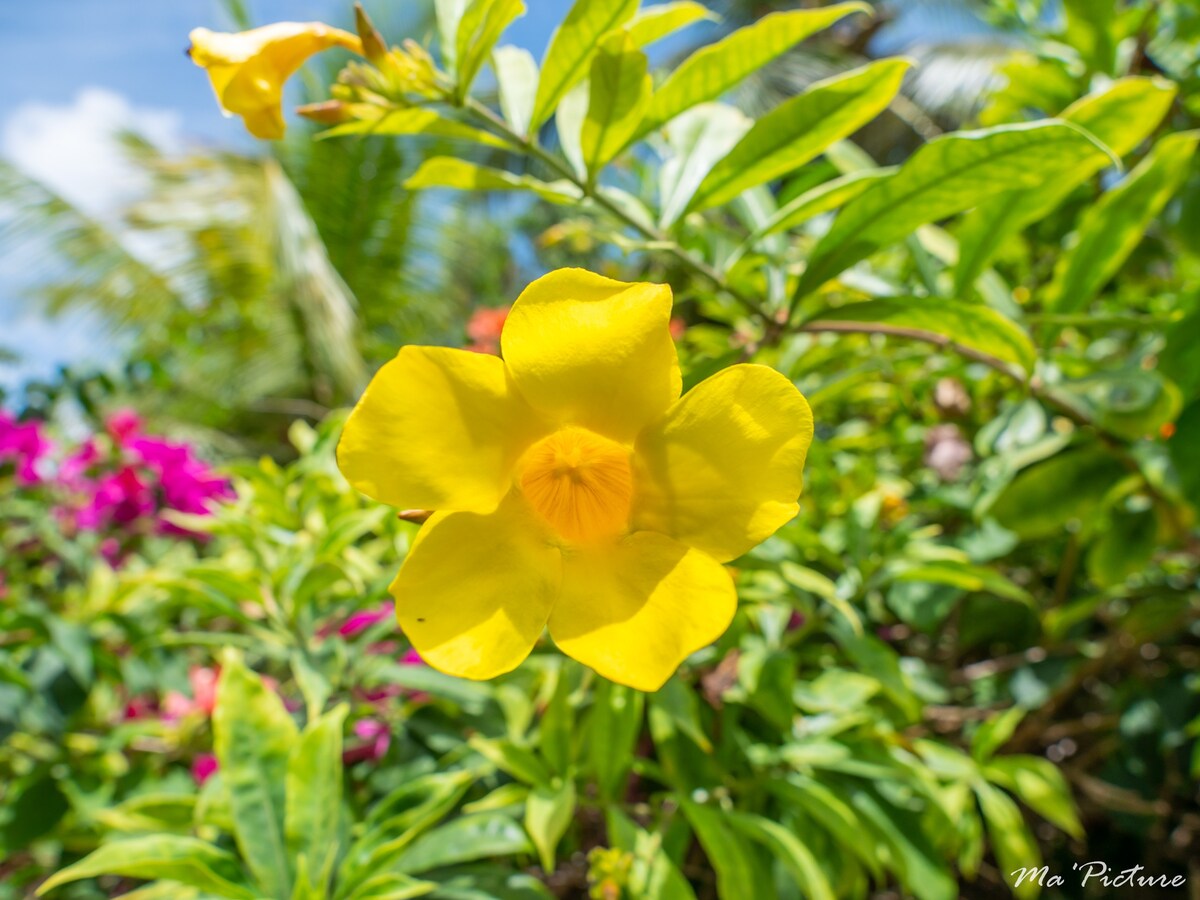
column 723, row 469
column 437, row 429
column 635, row 610
column 475, row 590
column 595, row 352
column 248, row 69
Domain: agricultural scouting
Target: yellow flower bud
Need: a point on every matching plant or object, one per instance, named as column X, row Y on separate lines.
column 248, row 69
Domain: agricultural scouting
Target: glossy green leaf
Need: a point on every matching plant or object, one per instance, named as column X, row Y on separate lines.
column 478, row 31
column 169, row 857
column 652, row 876
column 516, row 78
column 697, row 139
column 1120, row 117
column 822, row 199
column 1041, row 786
column 1011, row 841
column 569, row 57
column 944, row 177
column 618, row 91
column 1111, row 229
column 615, row 723
column 787, row 849
column 449, row 172
column 653, row 23
column 739, row 870
column 1133, row 403
column 549, row 810
column 449, row 14
column 393, row 886
column 1091, row 30
column 1044, row 497
column 714, row 70
column 801, row 128
column 920, row 865
column 517, row 761
column 415, row 121
column 463, row 840
column 967, row 577
column 834, row 814
column 253, row 736
column 313, row 804
column 993, row 734
column 948, row 322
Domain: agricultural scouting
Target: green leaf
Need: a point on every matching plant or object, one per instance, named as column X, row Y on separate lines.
column 463, row 840
column 739, row 870
column 1011, row 841
column 414, row 121
column 1125, row 548
column 944, row 177
column 1111, row 229
column 516, row 77
column 1120, row 117
column 253, row 735
column 788, row 849
column 516, row 761
column 619, row 89
column 314, row 793
column 652, row 876
column 569, row 56
column 698, row 139
column 821, row 199
column 711, row 72
column 478, row 31
column 967, row 577
column 1044, row 497
column 614, row 725
column 921, row 868
column 450, row 172
column 449, row 14
column 548, row 812
column 993, row 734
column 1090, row 30
column 799, row 129
column 1040, row 785
column 169, row 857
column 557, row 725
column 393, row 886
column 656, row 22
column 945, row 322
column 834, row 815
column 875, row 658
column 1131, row 402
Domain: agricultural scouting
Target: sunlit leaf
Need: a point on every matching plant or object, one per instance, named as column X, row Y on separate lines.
column 450, row 172
column 619, row 89
column 516, row 77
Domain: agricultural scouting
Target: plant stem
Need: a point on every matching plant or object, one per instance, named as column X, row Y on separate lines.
column 530, row 147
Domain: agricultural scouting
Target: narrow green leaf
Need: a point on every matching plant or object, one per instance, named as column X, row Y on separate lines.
column 517, row 77
column 314, row 793
column 449, row 14
column 821, row 199
column 415, row 121
column 615, row 723
column 1011, row 841
column 1111, row 229
column 619, row 89
column 393, row 886
column 653, row 876
column 788, row 849
column 464, row 840
column 1120, row 117
column 548, row 812
column 1040, row 785
column 698, row 139
column 557, row 724
column 478, row 31
column 966, row 325
column 967, row 577
column 801, row 128
column 739, row 871
column 569, row 56
column 944, row 177
column 568, row 123
column 520, row 763
column 253, row 735
column 653, row 23
column 833, row 814
column 169, row 857
column 993, row 734
column 450, row 172
column 920, row 866
column 711, row 72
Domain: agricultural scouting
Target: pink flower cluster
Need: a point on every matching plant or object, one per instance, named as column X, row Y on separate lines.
column 117, row 483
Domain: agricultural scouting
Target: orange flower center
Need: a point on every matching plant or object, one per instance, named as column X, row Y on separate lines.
column 579, row 482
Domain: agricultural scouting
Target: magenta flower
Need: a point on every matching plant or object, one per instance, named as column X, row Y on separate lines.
column 24, row 445
column 377, row 737
column 188, row 485
column 123, row 425
column 119, row 498
column 365, row 618
column 204, row 767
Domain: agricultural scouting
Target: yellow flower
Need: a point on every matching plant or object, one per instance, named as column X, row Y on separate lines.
column 575, row 488
column 248, row 69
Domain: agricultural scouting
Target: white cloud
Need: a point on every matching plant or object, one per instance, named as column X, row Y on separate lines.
column 73, row 148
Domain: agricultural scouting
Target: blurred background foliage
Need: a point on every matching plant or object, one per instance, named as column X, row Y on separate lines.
column 974, row 651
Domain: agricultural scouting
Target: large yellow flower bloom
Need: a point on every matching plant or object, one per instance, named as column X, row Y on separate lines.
column 575, row 488
column 248, row 69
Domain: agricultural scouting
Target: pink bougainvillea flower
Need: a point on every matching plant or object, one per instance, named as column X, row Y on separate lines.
column 377, row 738
column 120, row 498
column 484, row 327
column 365, row 618
column 204, row 767
column 575, row 488
column 123, row 425
column 25, row 446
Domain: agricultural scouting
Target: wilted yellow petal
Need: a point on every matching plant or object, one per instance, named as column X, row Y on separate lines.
column 437, row 429
column 635, row 610
column 248, row 69
column 723, row 469
column 475, row 590
column 594, row 352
